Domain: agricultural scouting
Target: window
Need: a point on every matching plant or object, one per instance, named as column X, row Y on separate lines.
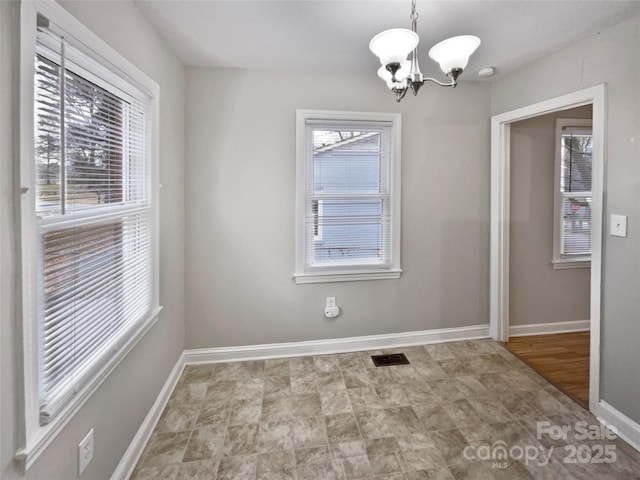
column 572, row 225
column 348, row 196
column 88, row 215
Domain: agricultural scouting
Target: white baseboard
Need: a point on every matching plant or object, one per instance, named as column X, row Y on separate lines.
column 549, row 328
column 337, row 345
column 627, row 429
column 128, row 462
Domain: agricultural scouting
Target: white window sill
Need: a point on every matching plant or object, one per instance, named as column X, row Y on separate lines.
column 327, row 277
column 568, row 264
column 40, row 438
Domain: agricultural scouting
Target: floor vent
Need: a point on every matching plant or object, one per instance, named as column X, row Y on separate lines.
column 389, row 359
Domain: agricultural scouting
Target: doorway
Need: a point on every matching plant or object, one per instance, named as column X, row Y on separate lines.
column 550, row 247
column 501, row 217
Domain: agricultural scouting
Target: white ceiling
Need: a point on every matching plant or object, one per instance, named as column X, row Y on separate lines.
column 325, row 35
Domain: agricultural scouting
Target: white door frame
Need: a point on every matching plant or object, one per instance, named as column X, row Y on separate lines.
column 500, row 216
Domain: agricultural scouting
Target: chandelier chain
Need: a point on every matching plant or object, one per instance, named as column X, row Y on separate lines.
column 414, row 12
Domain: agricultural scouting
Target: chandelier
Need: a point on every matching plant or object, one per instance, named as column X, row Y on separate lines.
column 393, row 46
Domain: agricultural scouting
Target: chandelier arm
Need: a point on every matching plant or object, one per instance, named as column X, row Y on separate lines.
column 453, row 83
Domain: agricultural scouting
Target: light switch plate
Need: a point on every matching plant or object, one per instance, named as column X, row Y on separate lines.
column 618, row 225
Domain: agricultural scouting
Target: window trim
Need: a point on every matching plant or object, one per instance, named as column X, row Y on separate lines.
column 35, row 438
column 559, row 262
column 331, row 274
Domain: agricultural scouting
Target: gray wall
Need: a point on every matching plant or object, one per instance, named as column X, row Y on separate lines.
column 537, row 292
column 609, row 57
column 117, row 409
column 240, row 210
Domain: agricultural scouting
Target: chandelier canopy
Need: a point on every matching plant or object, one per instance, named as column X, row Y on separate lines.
column 393, row 47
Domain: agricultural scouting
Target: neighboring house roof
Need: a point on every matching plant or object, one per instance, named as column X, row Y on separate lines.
column 364, row 142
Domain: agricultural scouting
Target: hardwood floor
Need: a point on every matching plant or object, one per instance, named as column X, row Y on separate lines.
column 561, row 358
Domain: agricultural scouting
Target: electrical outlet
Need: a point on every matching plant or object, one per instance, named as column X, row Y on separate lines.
column 85, row 452
column 331, row 301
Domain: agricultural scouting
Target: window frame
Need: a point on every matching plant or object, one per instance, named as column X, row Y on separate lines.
column 559, row 261
column 35, row 437
column 334, row 273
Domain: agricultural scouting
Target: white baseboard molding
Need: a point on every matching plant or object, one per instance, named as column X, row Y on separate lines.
column 626, row 428
column 549, row 328
column 337, row 345
column 128, row 462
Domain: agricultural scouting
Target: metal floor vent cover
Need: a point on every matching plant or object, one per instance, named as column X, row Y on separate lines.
column 389, row 359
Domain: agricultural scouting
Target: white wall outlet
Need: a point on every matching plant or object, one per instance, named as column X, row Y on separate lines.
column 618, row 225
column 331, row 310
column 85, row 452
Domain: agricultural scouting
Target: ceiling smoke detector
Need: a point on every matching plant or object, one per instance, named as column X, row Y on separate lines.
column 486, row 72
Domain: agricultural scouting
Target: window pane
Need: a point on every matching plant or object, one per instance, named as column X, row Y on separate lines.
column 96, row 281
column 96, row 156
column 352, row 232
column 77, row 293
column 94, row 143
column 346, row 161
column 577, row 146
column 576, row 225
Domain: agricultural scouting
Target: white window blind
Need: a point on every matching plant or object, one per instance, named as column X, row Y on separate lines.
column 575, row 191
column 93, row 214
column 348, row 210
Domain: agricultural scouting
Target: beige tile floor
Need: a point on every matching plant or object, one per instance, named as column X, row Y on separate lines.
column 447, row 415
